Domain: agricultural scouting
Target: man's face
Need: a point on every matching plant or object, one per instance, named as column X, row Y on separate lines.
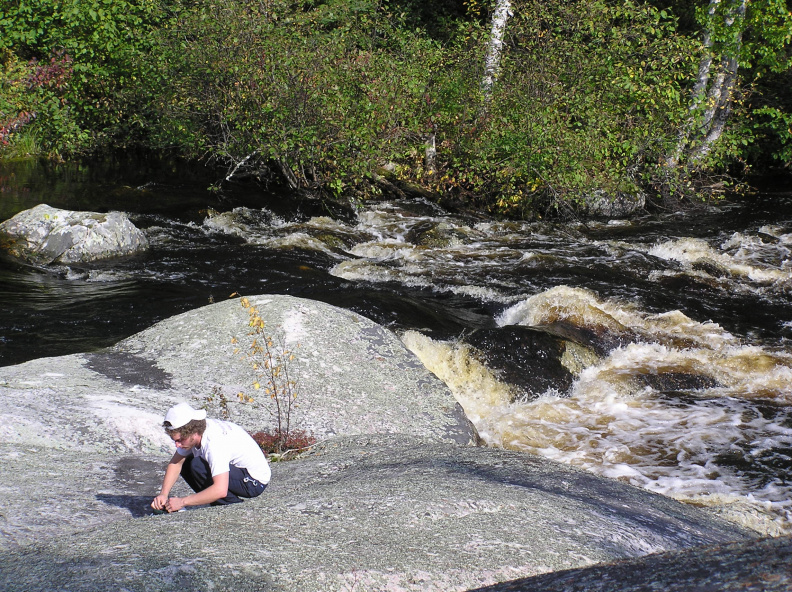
column 185, row 443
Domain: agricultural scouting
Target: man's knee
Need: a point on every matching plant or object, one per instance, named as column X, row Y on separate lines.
column 196, row 472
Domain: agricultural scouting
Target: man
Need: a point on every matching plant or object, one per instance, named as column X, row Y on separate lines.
column 218, row 460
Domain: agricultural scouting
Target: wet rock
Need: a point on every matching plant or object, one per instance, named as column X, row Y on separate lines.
column 128, row 368
column 431, row 234
column 530, row 360
column 678, row 381
column 239, row 221
column 620, row 205
column 600, row 339
column 371, row 513
column 45, row 235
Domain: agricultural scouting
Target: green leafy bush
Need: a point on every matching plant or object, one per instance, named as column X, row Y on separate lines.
column 77, row 65
column 587, row 99
column 325, row 95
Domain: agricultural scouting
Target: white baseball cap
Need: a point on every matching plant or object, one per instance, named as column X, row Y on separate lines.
column 182, row 414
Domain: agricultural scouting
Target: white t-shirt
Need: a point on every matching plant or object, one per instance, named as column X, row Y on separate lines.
column 224, row 444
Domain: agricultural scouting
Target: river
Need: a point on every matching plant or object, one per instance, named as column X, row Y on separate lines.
column 682, row 379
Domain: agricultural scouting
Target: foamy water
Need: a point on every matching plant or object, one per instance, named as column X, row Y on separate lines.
column 673, row 403
column 696, row 446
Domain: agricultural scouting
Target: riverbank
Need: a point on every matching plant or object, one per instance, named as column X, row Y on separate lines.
column 353, row 101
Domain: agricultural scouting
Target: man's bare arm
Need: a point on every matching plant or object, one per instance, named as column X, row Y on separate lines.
column 172, row 473
column 214, row 492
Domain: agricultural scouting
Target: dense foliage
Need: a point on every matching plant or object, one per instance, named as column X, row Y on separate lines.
column 351, row 98
column 75, row 66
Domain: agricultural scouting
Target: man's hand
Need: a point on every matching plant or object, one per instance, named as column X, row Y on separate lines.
column 159, row 502
column 174, row 504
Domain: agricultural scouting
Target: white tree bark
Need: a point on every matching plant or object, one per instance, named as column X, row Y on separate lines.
column 711, row 98
column 430, row 154
column 718, row 113
column 698, row 93
column 495, row 47
column 239, row 165
column 720, row 97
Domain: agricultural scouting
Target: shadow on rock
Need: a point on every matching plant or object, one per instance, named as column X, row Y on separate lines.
column 138, row 505
column 761, row 566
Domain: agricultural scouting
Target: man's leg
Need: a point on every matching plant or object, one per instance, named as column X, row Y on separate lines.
column 198, row 475
column 242, row 484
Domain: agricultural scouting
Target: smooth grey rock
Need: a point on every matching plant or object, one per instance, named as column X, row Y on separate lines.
column 50, row 493
column 755, row 566
column 391, row 499
column 374, row 513
column 355, row 377
column 600, row 204
column 43, row 235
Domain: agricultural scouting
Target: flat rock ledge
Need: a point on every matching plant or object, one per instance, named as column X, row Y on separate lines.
column 375, row 513
column 44, row 235
column 64, row 419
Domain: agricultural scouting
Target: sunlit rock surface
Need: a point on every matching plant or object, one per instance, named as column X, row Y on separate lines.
column 373, row 513
column 87, row 411
column 45, row 235
column 352, row 376
column 392, row 498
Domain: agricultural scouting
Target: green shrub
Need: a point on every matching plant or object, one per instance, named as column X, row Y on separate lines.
column 324, row 95
column 77, row 65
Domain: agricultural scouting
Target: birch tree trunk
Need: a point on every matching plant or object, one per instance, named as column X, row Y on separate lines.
column 720, row 97
column 495, row 46
column 430, row 152
column 711, row 98
column 698, row 92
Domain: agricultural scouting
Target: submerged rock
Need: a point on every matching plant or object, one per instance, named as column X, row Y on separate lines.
column 600, row 204
column 528, row 359
column 43, row 235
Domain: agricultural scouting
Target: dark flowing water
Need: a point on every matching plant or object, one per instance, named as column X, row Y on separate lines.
column 690, row 313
